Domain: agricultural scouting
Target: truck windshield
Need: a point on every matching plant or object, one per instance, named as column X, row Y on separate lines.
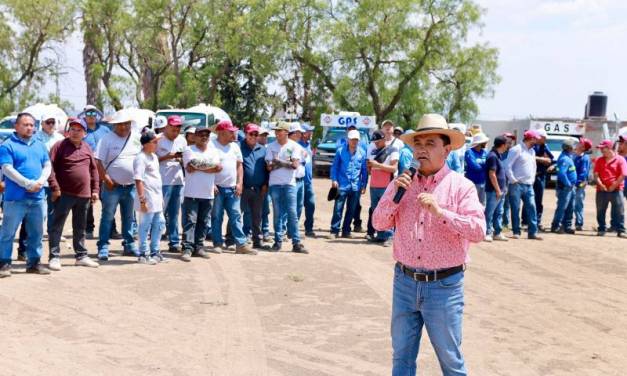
column 195, row 119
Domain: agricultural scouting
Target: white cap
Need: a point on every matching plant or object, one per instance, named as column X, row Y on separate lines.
column 353, row 135
column 541, row 132
column 160, row 122
column 295, row 127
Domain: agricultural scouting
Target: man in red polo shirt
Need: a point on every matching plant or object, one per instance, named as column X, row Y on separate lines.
column 610, row 171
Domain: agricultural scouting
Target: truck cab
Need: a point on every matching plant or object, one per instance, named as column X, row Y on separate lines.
column 557, row 131
column 335, row 128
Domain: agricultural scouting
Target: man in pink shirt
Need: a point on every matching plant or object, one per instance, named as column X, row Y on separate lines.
column 435, row 220
column 610, row 171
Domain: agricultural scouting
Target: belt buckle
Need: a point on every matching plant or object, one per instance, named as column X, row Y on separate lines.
column 416, row 274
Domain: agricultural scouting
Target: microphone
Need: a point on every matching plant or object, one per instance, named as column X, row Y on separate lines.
column 415, row 165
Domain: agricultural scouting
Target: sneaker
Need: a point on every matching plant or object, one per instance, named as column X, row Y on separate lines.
column 103, row 257
column 299, row 248
column 217, row 249
column 38, row 269
column 261, row 246
column 201, row 253
column 578, row 228
column 601, row 233
column 244, row 249
column 501, row 238
column 516, row 236
column 5, row 271
column 86, row 261
column 276, row 247
column 142, row 260
column 371, row 238
column 621, row 235
column 151, row 260
column 54, row 264
column 387, row 243
column 186, row 256
column 310, row 234
column 488, row 238
column 160, row 258
column 358, row 229
column 335, row 235
column 130, row 253
column 556, row 231
column 535, row 237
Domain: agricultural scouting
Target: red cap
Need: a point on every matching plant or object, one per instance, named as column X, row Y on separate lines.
column 225, row 125
column 511, row 136
column 175, row 120
column 605, row 144
column 251, row 127
column 587, row 144
column 532, row 134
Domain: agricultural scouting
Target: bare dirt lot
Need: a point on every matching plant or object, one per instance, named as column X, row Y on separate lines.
column 557, row 307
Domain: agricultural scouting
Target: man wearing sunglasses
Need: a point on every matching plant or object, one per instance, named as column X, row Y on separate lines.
column 170, row 149
column 96, row 130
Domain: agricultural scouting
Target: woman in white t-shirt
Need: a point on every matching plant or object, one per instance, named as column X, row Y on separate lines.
column 149, row 199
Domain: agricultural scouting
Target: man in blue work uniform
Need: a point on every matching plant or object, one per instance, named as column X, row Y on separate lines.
column 565, row 191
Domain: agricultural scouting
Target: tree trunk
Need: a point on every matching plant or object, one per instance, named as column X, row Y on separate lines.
column 92, row 81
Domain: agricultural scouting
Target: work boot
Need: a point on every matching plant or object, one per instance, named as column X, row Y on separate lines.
column 299, row 248
column 38, row 269
column 244, row 249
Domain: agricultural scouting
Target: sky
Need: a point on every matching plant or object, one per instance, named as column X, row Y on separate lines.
column 552, row 55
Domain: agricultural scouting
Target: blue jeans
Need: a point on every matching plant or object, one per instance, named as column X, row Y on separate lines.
column 439, row 307
column 481, row 193
column 580, row 197
column 525, row 192
column 507, row 212
column 33, row 213
column 375, row 197
column 152, row 223
column 172, row 205
column 493, row 213
column 300, row 196
column 123, row 196
column 538, row 190
column 265, row 215
column 563, row 216
column 310, row 206
column 226, row 200
column 196, row 213
column 617, row 218
column 351, row 199
column 284, row 204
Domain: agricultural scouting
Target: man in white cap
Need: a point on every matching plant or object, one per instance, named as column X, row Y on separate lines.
column 115, row 154
column 349, row 175
column 436, row 219
column 296, row 135
column 475, row 159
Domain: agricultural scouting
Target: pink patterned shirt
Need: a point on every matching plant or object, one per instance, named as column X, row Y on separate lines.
column 423, row 240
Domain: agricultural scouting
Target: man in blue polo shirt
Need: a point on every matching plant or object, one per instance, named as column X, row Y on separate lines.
column 26, row 167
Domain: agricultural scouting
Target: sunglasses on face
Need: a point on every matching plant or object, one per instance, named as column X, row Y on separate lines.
column 49, row 122
column 90, row 113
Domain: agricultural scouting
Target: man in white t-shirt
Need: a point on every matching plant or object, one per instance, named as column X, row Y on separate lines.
column 115, row 154
column 201, row 162
column 296, row 135
column 382, row 164
column 170, row 149
column 283, row 158
column 229, row 183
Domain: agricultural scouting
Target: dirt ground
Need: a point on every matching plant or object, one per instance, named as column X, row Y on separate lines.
column 557, row 307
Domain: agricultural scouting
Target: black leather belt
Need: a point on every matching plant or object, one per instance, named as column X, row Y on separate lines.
column 432, row 276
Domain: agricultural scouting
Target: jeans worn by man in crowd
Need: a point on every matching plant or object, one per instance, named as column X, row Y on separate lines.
column 172, row 195
column 350, row 199
column 252, row 207
column 227, row 200
column 494, row 213
column 124, row 196
column 32, row 212
column 617, row 213
column 78, row 206
column 525, row 193
column 196, row 212
column 284, row 205
column 563, row 218
column 380, row 236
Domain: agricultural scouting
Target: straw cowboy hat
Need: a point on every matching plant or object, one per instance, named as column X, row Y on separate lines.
column 478, row 139
column 435, row 124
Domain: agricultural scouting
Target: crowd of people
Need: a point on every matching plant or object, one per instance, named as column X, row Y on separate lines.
column 177, row 184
